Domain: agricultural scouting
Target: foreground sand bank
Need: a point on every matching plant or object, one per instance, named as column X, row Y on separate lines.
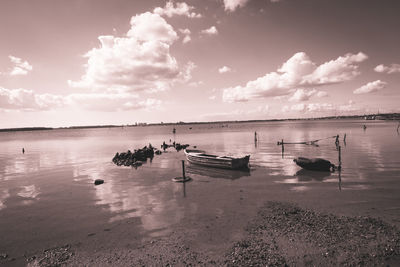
column 281, row 233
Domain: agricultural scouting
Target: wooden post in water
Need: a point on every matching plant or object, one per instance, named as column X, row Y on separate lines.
column 283, row 148
column 340, row 156
column 183, row 170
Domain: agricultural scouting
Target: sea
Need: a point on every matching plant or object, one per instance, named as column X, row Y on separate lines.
column 47, row 194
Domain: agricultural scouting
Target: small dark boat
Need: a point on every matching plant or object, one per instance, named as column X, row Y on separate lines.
column 314, row 164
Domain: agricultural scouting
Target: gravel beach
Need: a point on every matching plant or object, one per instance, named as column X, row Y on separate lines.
column 280, row 234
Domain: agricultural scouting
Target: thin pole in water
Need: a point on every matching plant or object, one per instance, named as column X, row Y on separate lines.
column 183, row 170
column 340, row 156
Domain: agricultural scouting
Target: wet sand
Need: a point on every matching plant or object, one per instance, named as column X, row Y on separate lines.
column 279, row 234
column 226, row 222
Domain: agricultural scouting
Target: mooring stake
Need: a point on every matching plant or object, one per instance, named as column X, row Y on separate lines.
column 183, row 170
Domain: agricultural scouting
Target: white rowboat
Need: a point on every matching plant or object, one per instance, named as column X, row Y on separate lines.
column 202, row 158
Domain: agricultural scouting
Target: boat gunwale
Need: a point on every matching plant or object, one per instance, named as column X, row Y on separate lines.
column 206, row 156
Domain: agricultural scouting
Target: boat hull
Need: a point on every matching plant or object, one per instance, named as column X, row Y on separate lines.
column 315, row 164
column 200, row 158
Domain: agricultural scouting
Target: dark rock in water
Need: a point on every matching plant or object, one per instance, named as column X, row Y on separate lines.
column 131, row 158
column 3, row 256
column 179, row 147
column 137, row 164
column 98, row 181
column 158, row 152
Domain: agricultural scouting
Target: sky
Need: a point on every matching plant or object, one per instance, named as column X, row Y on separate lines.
column 100, row 62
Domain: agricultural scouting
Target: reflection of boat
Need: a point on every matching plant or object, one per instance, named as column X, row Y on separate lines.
column 315, row 164
column 201, row 158
column 193, row 169
column 307, row 175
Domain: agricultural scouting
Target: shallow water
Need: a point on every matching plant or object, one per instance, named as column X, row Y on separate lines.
column 47, row 193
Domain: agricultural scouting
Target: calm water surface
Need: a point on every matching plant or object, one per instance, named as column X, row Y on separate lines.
column 52, row 183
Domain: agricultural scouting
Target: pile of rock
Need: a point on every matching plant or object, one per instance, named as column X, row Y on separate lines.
column 177, row 146
column 135, row 158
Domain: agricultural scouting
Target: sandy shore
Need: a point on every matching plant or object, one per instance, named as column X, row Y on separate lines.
column 279, row 234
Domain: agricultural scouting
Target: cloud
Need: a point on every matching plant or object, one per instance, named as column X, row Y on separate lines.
column 180, row 9
column 297, row 72
column 111, row 102
column 336, row 71
column 224, row 69
column 186, row 39
column 210, row 31
column 348, row 107
column 371, row 87
column 322, row 94
column 28, row 100
column 186, row 33
column 213, row 97
column 304, row 95
column 312, row 107
column 20, row 67
column 195, row 84
column 231, row 5
column 393, row 68
column 22, row 99
column 322, row 108
column 140, row 61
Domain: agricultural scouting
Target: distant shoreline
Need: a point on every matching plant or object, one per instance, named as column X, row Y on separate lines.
column 386, row 116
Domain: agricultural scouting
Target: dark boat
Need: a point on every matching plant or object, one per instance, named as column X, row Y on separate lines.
column 314, row 164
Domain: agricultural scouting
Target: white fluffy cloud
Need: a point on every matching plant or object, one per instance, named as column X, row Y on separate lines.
column 312, row 107
column 22, row 99
column 186, row 33
column 326, row 108
column 322, row 94
column 371, row 87
column 20, row 67
column 231, row 5
column 304, row 95
column 297, row 72
column 140, row 61
column 180, row 9
column 336, row 71
column 210, row 31
column 110, row 102
column 393, row 68
column 28, row 100
column 224, row 69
